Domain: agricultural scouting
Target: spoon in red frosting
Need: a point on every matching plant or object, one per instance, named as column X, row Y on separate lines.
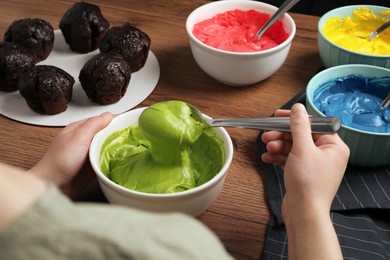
column 287, row 5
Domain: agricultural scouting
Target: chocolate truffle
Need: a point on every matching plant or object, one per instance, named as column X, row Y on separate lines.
column 46, row 89
column 83, row 26
column 132, row 43
column 36, row 35
column 14, row 61
column 105, row 78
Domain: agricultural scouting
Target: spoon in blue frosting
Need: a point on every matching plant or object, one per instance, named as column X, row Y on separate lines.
column 386, row 102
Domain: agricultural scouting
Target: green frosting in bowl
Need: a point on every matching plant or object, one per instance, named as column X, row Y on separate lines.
column 170, row 150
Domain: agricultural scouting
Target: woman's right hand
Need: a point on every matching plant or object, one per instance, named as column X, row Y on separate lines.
column 314, row 165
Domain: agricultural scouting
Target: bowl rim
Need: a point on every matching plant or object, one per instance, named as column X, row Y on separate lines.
column 144, row 195
column 253, row 53
column 311, row 85
column 328, row 14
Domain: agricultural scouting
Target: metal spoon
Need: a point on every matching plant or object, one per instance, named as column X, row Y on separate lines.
column 322, row 125
column 287, row 5
column 379, row 30
column 386, row 102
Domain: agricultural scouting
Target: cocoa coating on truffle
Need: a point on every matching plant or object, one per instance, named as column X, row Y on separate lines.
column 105, row 78
column 14, row 61
column 46, row 89
column 83, row 26
column 132, row 43
column 36, row 35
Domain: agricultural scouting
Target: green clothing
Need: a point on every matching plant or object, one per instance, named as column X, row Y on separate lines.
column 57, row 228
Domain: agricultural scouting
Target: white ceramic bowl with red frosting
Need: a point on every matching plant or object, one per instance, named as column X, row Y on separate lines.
column 238, row 68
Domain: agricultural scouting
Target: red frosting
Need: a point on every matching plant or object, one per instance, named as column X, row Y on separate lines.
column 236, row 31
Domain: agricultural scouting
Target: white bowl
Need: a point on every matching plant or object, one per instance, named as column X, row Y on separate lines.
column 238, row 68
column 192, row 202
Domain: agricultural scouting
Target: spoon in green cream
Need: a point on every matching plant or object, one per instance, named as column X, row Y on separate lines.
column 322, row 125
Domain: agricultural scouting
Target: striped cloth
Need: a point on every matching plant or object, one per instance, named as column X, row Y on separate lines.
column 360, row 211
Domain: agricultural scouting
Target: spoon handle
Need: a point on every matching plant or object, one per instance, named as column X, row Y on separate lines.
column 386, row 102
column 379, row 30
column 321, row 125
column 287, row 5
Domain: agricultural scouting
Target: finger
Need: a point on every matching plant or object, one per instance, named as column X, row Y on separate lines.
column 274, row 158
column 300, row 127
column 74, row 125
column 275, row 135
column 279, row 146
column 334, row 143
column 282, row 112
column 326, row 139
column 321, row 139
column 93, row 125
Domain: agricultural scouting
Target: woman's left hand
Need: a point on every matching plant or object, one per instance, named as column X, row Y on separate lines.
column 66, row 161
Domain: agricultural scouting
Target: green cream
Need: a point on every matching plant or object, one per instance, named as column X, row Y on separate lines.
column 170, row 150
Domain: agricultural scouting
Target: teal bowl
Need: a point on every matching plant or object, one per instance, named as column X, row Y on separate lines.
column 334, row 55
column 369, row 149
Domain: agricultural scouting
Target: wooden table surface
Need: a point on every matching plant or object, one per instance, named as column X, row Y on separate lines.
column 240, row 214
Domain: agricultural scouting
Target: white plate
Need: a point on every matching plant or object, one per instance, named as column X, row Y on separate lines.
column 142, row 84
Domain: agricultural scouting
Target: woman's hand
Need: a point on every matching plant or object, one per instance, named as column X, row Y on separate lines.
column 314, row 166
column 64, row 163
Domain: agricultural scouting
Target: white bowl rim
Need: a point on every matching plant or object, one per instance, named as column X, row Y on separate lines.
column 255, row 3
column 324, row 18
column 329, row 70
column 144, row 195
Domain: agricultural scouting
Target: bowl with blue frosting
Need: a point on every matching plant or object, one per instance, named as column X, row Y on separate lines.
column 354, row 93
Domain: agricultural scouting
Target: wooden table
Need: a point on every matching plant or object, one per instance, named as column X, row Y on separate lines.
column 240, row 214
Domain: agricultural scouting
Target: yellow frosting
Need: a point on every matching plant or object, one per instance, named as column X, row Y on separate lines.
column 352, row 32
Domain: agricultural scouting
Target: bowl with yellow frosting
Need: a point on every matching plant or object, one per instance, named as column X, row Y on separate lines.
column 161, row 158
column 343, row 36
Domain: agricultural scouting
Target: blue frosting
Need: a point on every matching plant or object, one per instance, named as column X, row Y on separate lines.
column 355, row 100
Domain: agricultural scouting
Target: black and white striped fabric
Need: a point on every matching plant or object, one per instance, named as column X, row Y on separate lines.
column 360, row 212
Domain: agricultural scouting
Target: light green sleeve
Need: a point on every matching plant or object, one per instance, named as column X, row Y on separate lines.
column 57, row 228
